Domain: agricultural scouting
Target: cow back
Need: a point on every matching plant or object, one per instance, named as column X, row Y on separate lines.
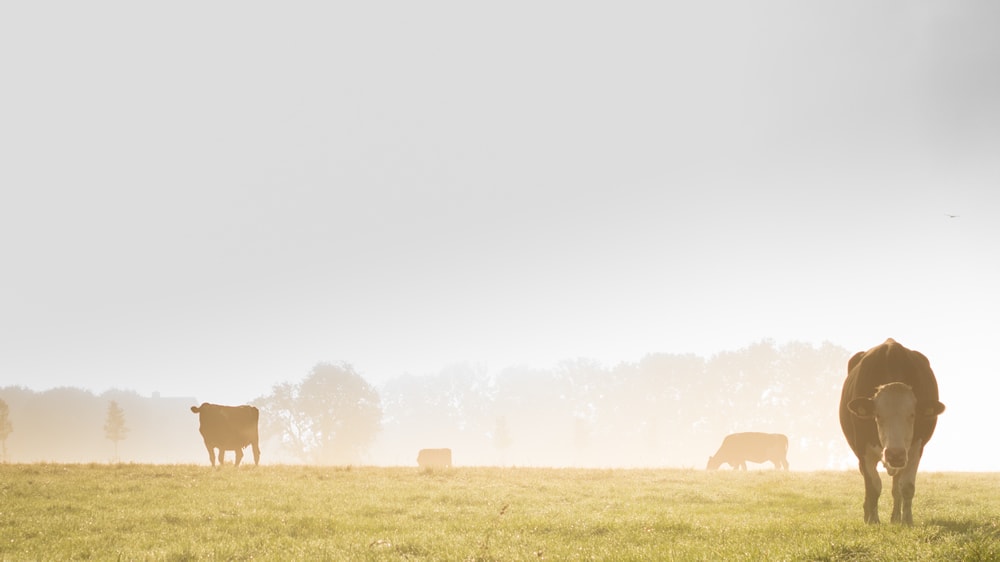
column 751, row 446
column 434, row 458
column 228, row 427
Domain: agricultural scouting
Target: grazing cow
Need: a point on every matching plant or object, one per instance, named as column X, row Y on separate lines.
column 228, row 428
column 888, row 411
column 434, row 458
column 738, row 448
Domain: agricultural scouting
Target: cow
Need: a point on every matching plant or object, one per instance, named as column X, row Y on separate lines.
column 434, row 458
column 738, row 448
column 228, row 428
column 888, row 411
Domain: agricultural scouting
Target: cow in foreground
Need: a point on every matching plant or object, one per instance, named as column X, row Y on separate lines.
column 738, row 448
column 228, row 428
column 434, row 458
column 888, row 411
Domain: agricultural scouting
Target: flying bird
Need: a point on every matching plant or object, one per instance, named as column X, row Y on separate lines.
column 951, row 216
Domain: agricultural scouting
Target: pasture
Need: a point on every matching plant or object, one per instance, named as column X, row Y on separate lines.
column 187, row 512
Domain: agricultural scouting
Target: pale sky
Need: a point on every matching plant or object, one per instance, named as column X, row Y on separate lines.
column 207, row 198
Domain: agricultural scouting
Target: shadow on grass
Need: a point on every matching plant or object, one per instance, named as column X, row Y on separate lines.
column 979, row 538
column 966, row 527
column 847, row 552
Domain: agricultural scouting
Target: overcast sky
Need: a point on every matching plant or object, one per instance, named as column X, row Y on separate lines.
column 207, row 198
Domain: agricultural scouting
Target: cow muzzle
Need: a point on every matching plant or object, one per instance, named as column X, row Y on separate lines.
column 895, row 458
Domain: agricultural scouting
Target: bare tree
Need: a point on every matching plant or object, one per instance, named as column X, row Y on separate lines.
column 114, row 427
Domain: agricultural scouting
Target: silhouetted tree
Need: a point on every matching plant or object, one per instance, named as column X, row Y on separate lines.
column 5, row 427
column 282, row 418
column 667, row 403
column 331, row 417
column 68, row 421
column 529, row 399
column 114, row 426
column 451, row 408
column 501, row 435
column 790, row 389
column 66, row 426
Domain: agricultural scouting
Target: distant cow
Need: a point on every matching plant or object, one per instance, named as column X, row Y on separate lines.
column 888, row 411
column 434, row 458
column 738, row 448
column 228, row 428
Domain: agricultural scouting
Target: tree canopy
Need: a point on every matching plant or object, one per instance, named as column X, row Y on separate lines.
column 664, row 409
column 331, row 417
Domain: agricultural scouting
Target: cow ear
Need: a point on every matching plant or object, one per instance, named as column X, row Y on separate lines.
column 931, row 409
column 864, row 408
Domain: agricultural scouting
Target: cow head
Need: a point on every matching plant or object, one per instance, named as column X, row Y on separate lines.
column 895, row 409
column 713, row 463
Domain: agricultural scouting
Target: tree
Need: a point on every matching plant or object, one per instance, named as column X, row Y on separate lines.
column 5, row 428
column 331, row 417
column 114, row 427
column 501, row 435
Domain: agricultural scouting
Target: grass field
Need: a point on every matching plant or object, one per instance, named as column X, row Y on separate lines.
column 185, row 512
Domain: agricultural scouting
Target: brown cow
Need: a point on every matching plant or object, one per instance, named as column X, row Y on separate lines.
column 888, row 411
column 228, row 428
column 434, row 458
column 738, row 448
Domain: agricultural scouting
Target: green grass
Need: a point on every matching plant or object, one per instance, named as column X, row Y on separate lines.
column 184, row 512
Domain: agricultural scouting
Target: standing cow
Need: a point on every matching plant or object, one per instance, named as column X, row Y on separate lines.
column 434, row 458
column 888, row 411
column 228, row 428
column 738, row 448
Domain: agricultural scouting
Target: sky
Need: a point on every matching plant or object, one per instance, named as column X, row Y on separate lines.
column 206, row 199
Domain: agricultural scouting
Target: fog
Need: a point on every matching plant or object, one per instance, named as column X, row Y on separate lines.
column 663, row 411
column 207, row 200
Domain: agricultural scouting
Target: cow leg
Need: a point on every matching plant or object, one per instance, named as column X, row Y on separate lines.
column 222, row 457
column 873, row 483
column 742, row 465
column 897, row 498
column 904, row 486
column 211, row 455
column 239, row 456
column 256, row 454
column 781, row 460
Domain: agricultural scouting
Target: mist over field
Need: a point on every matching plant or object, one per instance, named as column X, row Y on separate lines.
column 665, row 410
column 568, row 224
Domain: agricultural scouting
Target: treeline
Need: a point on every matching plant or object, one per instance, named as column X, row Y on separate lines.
column 664, row 410
column 68, row 425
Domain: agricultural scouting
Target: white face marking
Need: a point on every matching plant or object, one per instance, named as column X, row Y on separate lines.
column 895, row 408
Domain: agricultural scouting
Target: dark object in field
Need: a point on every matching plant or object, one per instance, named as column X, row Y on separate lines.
column 228, row 428
column 738, row 448
column 434, row 458
column 888, row 411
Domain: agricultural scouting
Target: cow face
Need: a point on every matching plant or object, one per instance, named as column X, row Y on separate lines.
column 895, row 409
